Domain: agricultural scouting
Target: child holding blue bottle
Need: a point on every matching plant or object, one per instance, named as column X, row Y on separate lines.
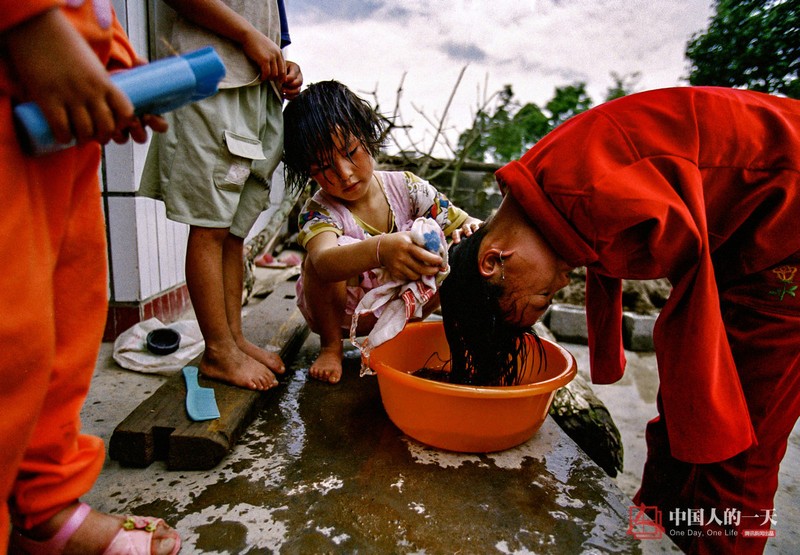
column 53, row 287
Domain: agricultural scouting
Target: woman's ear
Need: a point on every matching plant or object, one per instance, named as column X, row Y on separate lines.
column 490, row 262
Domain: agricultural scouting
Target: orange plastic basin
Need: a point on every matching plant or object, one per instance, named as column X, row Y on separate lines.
column 463, row 418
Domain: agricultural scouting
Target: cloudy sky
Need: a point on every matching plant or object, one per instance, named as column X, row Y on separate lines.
column 534, row 45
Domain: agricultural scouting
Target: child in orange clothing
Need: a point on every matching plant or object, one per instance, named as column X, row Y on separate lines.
column 53, row 285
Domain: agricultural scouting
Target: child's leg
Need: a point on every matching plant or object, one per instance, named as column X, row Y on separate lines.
column 233, row 276
column 222, row 358
column 27, row 329
column 54, row 301
column 326, row 303
column 60, row 463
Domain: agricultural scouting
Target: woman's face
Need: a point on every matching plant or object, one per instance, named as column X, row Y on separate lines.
column 349, row 174
column 530, row 272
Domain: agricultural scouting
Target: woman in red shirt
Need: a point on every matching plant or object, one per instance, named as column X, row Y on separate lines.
column 698, row 185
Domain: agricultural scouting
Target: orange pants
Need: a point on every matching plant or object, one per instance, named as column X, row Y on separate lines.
column 53, row 302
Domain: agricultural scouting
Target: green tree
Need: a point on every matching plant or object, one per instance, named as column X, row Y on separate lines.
column 753, row 44
column 504, row 132
column 567, row 102
column 507, row 129
column 623, row 84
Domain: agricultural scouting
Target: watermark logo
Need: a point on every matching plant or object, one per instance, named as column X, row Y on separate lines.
column 641, row 526
column 758, row 533
column 645, row 523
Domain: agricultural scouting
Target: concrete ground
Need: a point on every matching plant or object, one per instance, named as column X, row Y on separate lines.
column 323, row 470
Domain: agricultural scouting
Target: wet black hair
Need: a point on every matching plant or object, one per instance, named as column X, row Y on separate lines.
column 311, row 121
column 485, row 350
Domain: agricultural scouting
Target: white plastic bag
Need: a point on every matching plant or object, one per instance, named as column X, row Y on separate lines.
column 130, row 348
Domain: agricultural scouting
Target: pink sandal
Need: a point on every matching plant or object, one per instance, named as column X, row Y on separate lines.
column 134, row 538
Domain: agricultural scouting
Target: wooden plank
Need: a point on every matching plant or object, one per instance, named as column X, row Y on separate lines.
column 160, row 429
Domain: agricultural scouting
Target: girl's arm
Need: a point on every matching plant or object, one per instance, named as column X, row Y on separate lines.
column 394, row 251
column 224, row 21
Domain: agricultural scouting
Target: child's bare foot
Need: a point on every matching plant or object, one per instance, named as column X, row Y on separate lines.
column 237, row 368
column 328, row 366
column 93, row 532
column 268, row 358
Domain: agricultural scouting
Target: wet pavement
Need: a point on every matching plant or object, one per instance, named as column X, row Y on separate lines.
column 323, row 470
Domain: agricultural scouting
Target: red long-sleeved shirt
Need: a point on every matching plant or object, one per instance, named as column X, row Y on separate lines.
column 699, row 185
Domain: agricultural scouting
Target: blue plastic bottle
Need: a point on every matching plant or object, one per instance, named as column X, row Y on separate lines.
column 153, row 88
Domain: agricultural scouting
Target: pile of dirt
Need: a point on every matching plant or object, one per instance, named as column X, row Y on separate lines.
column 640, row 297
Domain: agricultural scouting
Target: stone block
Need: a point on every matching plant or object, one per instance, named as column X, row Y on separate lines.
column 568, row 323
column 637, row 331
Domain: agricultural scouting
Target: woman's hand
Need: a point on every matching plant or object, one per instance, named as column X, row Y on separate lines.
column 469, row 226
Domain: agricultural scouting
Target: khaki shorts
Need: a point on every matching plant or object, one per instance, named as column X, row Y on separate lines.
column 213, row 167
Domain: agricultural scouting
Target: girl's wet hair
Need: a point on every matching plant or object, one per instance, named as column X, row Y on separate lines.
column 485, row 349
column 320, row 112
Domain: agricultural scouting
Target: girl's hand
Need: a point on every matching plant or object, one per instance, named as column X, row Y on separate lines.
column 404, row 259
column 267, row 55
column 469, row 226
column 136, row 128
column 294, row 80
column 73, row 89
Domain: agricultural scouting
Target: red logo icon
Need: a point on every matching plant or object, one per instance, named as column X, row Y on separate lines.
column 641, row 526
